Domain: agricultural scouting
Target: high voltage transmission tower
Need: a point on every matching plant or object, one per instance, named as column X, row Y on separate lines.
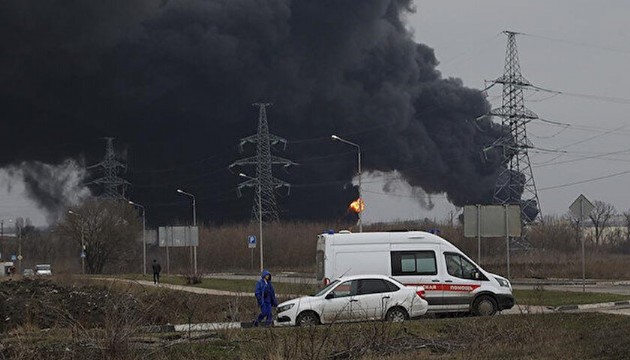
column 113, row 185
column 265, row 206
column 515, row 184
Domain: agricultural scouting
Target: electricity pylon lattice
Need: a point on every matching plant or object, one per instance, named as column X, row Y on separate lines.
column 114, row 186
column 515, row 184
column 265, row 206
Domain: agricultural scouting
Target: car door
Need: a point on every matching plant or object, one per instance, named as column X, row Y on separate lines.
column 459, row 281
column 372, row 299
column 337, row 303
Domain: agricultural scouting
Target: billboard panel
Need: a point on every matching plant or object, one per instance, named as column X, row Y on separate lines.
column 492, row 219
column 178, row 236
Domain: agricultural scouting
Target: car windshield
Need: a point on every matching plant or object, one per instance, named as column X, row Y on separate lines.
column 42, row 267
column 328, row 287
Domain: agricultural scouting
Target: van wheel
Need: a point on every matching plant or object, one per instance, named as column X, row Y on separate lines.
column 484, row 306
column 307, row 318
column 396, row 314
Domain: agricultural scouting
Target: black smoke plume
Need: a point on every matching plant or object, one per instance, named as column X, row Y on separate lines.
column 173, row 82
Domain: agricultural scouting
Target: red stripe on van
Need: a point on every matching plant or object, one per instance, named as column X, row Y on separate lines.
column 447, row 287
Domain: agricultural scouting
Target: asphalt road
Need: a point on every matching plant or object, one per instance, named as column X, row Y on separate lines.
column 611, row 287
column 598, row 286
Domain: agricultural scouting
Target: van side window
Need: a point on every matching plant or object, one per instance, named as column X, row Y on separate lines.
column 413, row 263
column 458, row 266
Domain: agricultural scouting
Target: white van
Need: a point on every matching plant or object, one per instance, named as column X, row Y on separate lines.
column 452, row 281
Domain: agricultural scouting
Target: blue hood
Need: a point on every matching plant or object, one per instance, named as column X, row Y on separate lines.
column 264, row 273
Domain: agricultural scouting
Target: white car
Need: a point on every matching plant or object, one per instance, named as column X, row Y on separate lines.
column 355, row 298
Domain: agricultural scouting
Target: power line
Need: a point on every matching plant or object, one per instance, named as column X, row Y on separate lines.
column 612, row 99
column 586, row 181
column 578, row 43
column 587, row 158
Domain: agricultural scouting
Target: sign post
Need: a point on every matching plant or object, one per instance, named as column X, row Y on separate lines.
column 493, row 221
column 581, row 207
column 251, row 243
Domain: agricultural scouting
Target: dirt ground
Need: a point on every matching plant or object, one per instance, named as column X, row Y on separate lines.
column 73, row 318
column 61, row 303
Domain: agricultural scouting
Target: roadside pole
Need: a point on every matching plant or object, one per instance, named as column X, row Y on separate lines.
column 582, row 207
column 479, row 234
column 583, row 252
column 507, row 239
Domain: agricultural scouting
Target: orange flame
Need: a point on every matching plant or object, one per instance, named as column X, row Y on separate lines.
column 357, row 205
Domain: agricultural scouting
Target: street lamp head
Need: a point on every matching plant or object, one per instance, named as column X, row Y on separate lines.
column 335, row 137
column 242, row 175
column 131, row 202
column 180, row 191
column 71, row 212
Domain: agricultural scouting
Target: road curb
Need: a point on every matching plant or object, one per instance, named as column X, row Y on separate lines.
column 207, row 326
column 591, row 306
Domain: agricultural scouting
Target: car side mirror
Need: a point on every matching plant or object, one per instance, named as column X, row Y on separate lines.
column 476, row 275
column 331, row 295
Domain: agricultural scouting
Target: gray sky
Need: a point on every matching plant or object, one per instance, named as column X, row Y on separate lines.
column 571, row 46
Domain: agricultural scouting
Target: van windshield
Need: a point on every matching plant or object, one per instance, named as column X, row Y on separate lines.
column 328, row 287
column 42, row 267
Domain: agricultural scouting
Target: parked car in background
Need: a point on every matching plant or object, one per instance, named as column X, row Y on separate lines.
column 43, row 269
column 355, row 298
column 28, row 272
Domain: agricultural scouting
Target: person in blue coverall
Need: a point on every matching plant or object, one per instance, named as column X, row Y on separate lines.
column 266, row 297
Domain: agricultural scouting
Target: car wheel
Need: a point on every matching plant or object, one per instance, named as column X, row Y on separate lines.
column 307, row 318
column 396, row 314
column 484, row 306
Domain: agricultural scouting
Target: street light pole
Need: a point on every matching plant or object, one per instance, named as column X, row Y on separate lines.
column 19, row 248
column 144, row 238
column 361, row 203
column 260, row 232
column 194, row 209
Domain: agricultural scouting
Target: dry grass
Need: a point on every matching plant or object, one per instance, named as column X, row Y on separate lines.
column 117, row 335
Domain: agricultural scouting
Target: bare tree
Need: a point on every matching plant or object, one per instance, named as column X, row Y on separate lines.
column 601, row 217
column 106, row 229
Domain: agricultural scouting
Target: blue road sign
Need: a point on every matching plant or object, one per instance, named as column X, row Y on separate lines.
column 13, row 257
column 83, row 254
column 251, row 241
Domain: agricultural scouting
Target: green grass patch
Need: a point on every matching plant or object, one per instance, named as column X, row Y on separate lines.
column 235, row 285
column 525, row 297
column 559, row 298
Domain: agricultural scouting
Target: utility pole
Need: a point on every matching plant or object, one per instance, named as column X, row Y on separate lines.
column 264, row 206
column 113, row 185
column 515, row 183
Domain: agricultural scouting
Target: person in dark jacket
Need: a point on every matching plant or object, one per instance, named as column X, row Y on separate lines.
column 156, row 271
column 266, row 297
